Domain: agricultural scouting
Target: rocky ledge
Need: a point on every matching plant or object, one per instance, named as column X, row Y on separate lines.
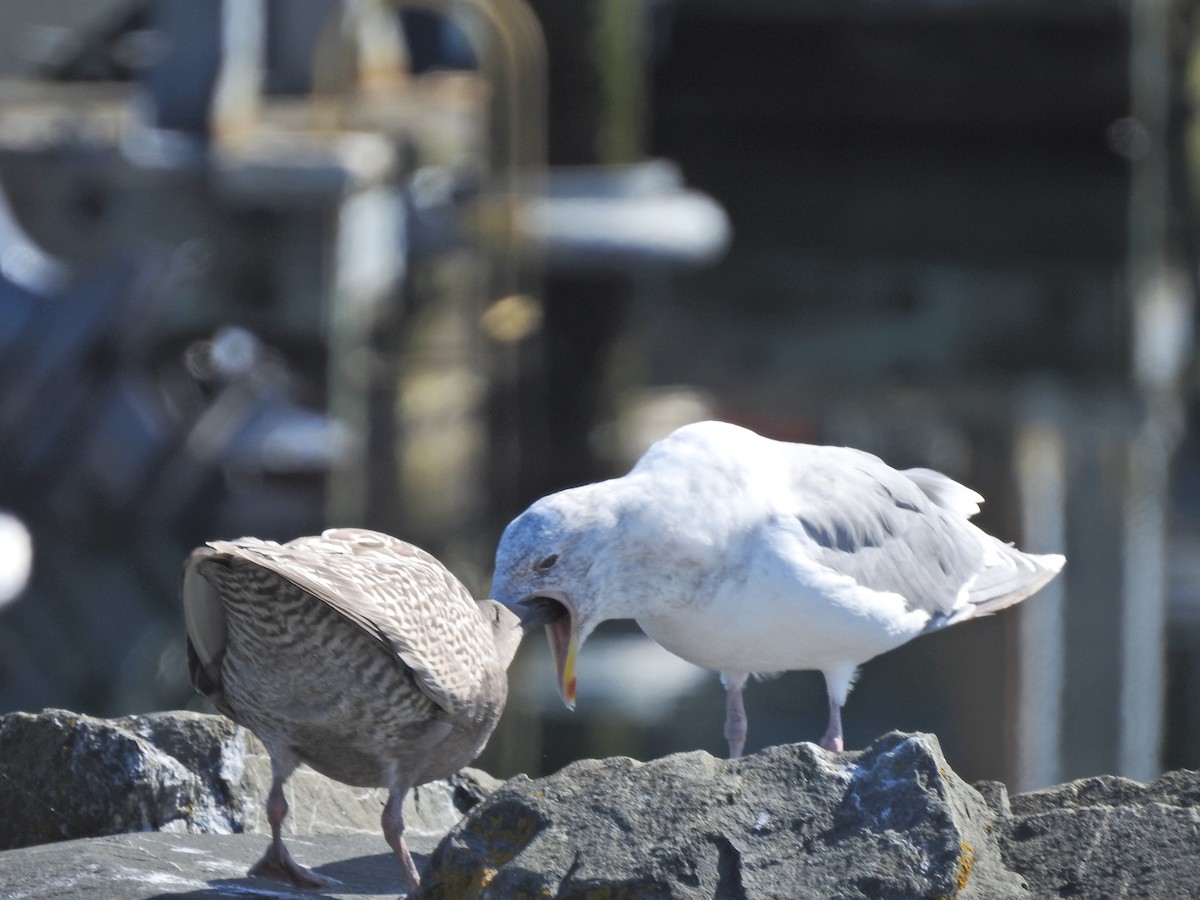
column 179, row 797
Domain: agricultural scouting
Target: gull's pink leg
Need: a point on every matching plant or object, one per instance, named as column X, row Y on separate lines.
column 277, row 863
column 736, row 724
column 832, row 739
column 393, row 832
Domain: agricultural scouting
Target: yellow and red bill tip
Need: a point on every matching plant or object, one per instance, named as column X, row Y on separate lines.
column 568, row 676
column 564, row 643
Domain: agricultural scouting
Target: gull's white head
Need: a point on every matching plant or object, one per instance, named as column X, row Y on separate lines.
column 550, row 571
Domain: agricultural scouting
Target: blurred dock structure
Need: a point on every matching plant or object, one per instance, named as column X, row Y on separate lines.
column 268, row 266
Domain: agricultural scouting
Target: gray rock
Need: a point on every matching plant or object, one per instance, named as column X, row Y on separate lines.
column 1108, row 837
column 788, row 822
column 64, row 776
column 200, row 866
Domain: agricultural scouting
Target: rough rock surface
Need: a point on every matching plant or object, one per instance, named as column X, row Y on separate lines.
column 789, row 822
column 201, row 866
column 1106, row 837
column 891, row 821
column 64, row 776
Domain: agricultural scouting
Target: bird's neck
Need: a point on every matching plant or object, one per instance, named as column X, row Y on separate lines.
column 664, row 541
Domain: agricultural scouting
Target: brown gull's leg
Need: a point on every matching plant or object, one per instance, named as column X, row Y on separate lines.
column 393, row 831
column 277, row 863
column 736, row 724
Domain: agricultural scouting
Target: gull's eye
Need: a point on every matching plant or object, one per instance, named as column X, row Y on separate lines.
column 546, row 563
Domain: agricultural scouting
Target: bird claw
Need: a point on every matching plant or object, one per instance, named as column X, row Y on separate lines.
column 279, row 866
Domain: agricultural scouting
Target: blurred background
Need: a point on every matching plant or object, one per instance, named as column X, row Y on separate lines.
column 268, row 266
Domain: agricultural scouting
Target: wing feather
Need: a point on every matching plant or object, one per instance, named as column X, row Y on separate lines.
column 396, row 593
column 204, row 616
column 878, row 526
column 908, row 533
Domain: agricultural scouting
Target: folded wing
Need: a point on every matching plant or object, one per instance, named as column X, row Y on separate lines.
column 908, row 533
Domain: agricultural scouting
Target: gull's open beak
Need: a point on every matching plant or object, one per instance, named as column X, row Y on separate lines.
column 562, row 630
column 564, row 644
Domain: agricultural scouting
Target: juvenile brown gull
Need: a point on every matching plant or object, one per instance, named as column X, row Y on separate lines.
column 747, row 555
column 354, row 652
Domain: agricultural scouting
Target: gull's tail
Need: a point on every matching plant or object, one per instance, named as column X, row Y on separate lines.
column 1008, row 577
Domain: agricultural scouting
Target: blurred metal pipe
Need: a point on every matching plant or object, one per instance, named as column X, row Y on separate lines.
column 1040, row 462
column 237, row 97
column 615, row 218
column 511, row 53
column 369, row 263
column 1162, row 310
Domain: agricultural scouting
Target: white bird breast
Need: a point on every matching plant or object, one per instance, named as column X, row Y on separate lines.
column 782, row 611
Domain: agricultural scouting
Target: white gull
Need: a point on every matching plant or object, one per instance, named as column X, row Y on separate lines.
column 747, row 555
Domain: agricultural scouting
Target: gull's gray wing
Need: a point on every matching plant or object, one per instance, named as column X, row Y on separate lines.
column 395, row 592
column 907, row 533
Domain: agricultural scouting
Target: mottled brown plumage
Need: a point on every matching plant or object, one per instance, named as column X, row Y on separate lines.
column 354, row 652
